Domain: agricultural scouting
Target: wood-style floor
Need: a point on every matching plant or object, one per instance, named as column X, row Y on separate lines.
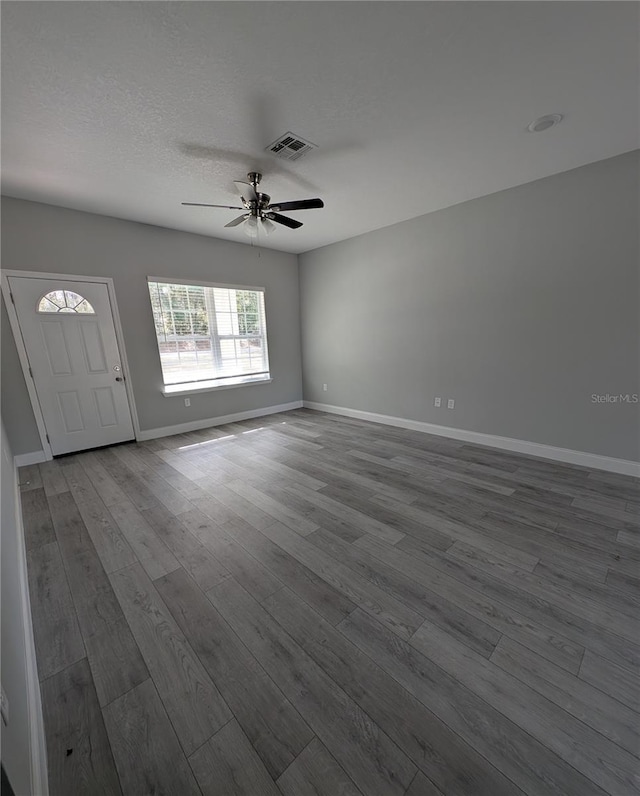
column 308, row 604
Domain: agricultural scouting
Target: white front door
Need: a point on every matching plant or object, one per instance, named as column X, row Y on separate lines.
column 69, row 335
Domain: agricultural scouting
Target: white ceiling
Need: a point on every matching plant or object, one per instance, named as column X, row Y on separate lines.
column 129, row 108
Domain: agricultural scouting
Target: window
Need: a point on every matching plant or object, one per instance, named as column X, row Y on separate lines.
column 209, row 336
column 65, row 301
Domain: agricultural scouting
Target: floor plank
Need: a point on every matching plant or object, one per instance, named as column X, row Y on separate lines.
column 315, row 772
column 114, row 657
column 36, row 518
column 626, row 602
column 561, row 623
column 607, row 716
column 110, row 544
column 239, row 505
column 228, row 764
column 573, row 600
column 462, row 532
column 194, row 704
column 469, row 629
column 494, row 612
column 271, row 723
column 370, row 758
column 29, row 477
column 271, row 466
column 400, row 618
column 78, row 751
column 148, row 756
column 603, row 762
column 156, row 485
column 194, row 557
column 522, row 759
column 53, row 479
column 323, row 519
column 128, row 481
column 340, row 470
column 626, row 584
column 151, row 551
column 277, row 510
column 56, row 632
column 311, row 588
column 441, row 753
column 343, row 511
column 619, row 682
column 246, row 569
column 421, row 786
column 108, row 490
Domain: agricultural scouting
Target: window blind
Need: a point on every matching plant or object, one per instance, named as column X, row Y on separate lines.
column 208, row 332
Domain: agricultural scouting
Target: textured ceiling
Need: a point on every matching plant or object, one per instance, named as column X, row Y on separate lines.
column 127, row 108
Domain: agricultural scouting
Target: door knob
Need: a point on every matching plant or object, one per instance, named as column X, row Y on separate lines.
column 119, row 378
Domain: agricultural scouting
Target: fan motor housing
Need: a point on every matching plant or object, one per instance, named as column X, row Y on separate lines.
column 257, row 208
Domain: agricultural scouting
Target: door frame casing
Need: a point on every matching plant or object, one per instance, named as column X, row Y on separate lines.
column 22, row 351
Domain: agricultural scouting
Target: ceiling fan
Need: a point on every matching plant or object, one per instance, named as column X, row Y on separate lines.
column 259, row 212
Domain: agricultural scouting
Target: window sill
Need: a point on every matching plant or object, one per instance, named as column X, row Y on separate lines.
column 169, row 390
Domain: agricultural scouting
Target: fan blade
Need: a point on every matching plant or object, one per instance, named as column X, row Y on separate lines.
column 237, row 221
column 302, row 204
column 246, row 191
column 288, row 222
column 199, row 204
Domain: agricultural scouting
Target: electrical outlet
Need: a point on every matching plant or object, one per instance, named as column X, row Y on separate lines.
column 4, row 706
column 324, row 388
column 437, row 402
column 451, row 403
column 187, row 401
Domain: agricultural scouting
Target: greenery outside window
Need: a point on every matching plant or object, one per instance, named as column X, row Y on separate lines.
column 209, row 335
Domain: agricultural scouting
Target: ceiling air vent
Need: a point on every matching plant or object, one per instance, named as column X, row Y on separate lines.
column 290, row 147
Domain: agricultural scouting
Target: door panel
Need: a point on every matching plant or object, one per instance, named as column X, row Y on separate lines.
column 71, row 412
column 76, row 365
column 93, row 348
column 105, row 406
column 56, row 346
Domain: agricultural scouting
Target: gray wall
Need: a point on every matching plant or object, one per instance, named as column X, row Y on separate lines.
column 520, row 305
column 16, row 409
column 18, row 655
column 38, row 237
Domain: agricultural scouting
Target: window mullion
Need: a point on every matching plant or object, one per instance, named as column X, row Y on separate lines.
column 216, row 349
column 193, row 332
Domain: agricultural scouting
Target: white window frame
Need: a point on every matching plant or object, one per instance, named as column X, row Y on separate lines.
column 220, row 382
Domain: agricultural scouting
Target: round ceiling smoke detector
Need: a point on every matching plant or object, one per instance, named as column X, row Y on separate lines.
column 545, row 123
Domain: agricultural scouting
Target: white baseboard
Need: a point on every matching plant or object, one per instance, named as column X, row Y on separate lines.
column 35, row 457
column 196, row 425
column 580, row 458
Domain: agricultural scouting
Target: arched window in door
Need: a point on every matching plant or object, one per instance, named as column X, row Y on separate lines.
column 65, row 301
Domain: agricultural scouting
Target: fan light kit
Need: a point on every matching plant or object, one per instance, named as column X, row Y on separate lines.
column 545, row 123
column 259, row 212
